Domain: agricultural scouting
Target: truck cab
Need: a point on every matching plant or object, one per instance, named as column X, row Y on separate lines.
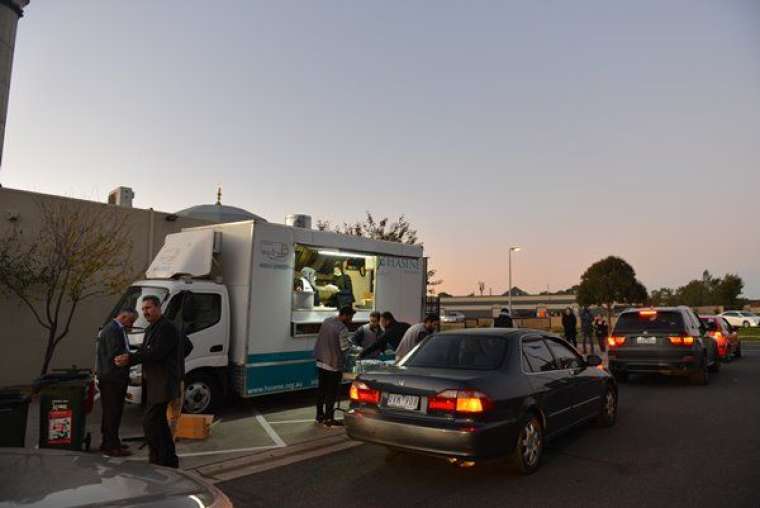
column 200, row 309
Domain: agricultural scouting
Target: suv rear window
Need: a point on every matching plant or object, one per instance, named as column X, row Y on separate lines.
column 658, row 322
column 470, row 352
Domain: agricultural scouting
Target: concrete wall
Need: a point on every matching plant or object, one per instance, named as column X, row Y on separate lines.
column 22, row 340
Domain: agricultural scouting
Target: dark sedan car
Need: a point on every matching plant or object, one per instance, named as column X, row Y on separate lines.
column 62, row 479
column 481, row 394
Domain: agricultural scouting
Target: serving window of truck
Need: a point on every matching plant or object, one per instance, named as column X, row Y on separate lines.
column 326, row 279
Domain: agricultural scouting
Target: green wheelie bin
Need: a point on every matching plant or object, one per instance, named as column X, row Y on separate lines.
column 66, row 398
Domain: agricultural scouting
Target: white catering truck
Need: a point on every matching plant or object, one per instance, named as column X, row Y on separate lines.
column 251, row 297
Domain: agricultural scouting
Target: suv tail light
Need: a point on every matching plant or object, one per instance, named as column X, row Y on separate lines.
column 360, row 392
column 717, row 336
column 614, row 341
column 460, row 401
column 682, row 341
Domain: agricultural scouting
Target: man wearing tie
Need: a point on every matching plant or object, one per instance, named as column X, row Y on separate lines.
column 113, row 380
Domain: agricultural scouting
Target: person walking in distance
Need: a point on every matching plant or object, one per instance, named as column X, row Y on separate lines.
column 329, row 351
column 504, row 320
column 113, row 380
column 602, row 330
column 159, row 356
column 587, row 329
column 569, row 324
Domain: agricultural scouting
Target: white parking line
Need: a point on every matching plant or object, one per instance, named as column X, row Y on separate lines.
column 274, row 436
column 285, row 422
column 234, row 450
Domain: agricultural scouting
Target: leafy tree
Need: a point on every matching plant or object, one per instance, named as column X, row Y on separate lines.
column 76, row 255
column 609, row 281
column 662, row 296
column 727, row 291
column 399, row 231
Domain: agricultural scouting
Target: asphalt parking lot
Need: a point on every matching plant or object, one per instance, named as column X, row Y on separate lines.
column 673, row 445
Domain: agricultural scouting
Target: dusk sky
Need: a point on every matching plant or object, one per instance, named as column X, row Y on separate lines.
column 573, row 129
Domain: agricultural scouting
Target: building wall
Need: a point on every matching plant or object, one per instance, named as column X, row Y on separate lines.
column 8, row 24
column 22, row 340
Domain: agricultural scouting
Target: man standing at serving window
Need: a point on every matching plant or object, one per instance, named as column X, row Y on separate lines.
column 329, row 351
column 113, row 380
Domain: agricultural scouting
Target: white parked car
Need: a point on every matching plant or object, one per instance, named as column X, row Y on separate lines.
column 741, row 318
column 451, row 316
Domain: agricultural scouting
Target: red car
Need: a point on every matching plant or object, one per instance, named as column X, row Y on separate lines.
column 729, row 345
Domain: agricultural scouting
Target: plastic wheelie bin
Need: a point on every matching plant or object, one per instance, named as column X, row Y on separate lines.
column 66, row 398
column 14, row 406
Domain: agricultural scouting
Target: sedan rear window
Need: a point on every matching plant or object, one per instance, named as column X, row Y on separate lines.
column 652, row 322
column 469, row 352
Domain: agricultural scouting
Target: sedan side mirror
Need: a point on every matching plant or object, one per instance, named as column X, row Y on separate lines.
column 593, row 361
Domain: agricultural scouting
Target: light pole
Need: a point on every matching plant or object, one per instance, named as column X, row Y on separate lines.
column 509, row 264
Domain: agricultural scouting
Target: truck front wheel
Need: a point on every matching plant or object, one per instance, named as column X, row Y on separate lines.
column 202, row 393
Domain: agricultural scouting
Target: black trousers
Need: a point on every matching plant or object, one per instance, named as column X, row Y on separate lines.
column 112, row 395
column 602, row 343
column 327, row 393
column 588, row 341
column 158, row 436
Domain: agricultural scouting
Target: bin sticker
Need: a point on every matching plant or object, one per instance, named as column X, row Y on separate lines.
column 59, row 426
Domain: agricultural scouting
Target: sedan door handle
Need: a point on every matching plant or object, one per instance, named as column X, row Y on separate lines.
column 215, row 349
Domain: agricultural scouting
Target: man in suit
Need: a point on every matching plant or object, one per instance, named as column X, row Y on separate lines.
column 113, row 380
column 160, row 359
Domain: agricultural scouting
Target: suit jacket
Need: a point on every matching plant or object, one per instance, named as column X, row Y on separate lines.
column 159, row 356
column 111, row 343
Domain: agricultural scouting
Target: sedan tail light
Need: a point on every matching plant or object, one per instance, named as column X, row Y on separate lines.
column 460, row 401
column 682, row 340
column 360, row 392
column 615, row 341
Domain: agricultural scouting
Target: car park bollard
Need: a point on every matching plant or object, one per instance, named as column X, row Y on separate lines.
column 66, row 397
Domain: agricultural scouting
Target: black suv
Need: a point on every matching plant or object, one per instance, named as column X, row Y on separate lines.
column 665, row 340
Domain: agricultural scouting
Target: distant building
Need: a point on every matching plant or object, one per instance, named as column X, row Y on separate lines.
column 486, row 307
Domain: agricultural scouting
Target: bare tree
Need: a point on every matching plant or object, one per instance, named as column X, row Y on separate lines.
column 481, row 287
column 77, row 254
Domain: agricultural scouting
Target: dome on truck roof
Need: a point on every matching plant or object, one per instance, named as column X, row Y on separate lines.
column 219, row 213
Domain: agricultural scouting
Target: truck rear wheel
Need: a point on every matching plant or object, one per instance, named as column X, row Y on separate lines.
column 202, row 393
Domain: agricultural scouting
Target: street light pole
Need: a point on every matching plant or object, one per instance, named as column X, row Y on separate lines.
column 509, row 264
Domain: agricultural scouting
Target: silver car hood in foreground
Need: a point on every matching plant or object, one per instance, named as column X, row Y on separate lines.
column 60, row 479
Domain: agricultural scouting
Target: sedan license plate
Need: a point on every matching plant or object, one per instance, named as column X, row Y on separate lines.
column 398, row 401
column 646, row 340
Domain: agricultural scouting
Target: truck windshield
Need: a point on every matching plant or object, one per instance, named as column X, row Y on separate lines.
column 470, row 352
column 132, row 299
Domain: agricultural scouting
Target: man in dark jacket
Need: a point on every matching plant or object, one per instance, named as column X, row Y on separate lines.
column 393, row 332
column 587, row 329
column 160, row 360
column 570, row 325
column 113, row 380
column 329, row 351
column 504, row 320
column 368, row 334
